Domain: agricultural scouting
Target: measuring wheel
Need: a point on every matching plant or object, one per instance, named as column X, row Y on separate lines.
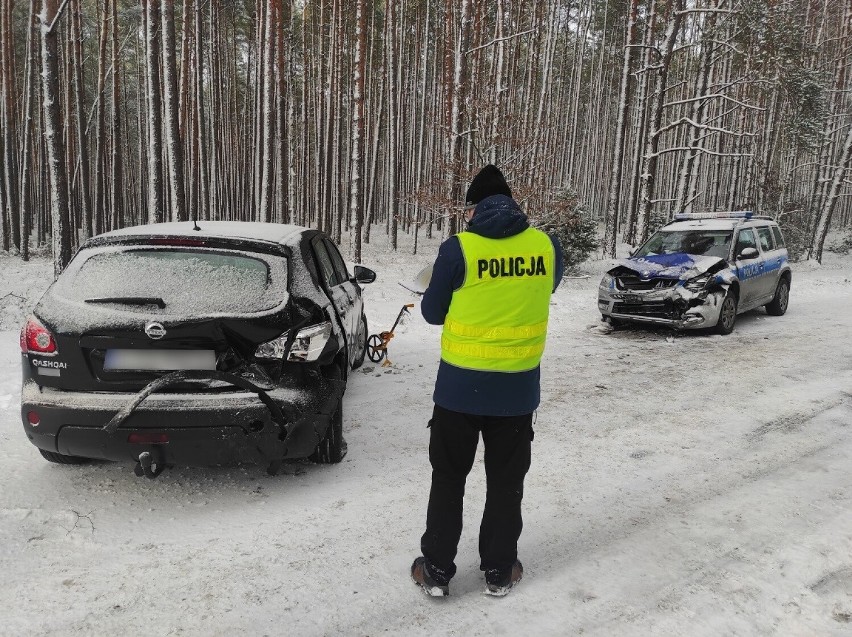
column 376, row 348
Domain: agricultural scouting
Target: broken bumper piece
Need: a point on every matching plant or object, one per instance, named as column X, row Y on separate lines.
column 677, row 308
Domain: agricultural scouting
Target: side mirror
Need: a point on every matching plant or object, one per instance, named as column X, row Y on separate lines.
column 748, row 253
column 364, row 275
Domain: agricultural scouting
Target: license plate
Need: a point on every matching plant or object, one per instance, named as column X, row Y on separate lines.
column 160, row 360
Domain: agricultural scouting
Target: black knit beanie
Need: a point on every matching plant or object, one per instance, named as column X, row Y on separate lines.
column 488, row 181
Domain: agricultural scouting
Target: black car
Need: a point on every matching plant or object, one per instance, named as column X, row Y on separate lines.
column 195, row 344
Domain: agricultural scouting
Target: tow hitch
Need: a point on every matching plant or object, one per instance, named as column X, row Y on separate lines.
column 150, row 463
column 148, row 466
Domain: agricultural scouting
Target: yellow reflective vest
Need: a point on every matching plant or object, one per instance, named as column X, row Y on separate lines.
column 497, row 319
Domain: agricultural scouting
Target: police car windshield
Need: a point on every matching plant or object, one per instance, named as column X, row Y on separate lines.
column 716, row 243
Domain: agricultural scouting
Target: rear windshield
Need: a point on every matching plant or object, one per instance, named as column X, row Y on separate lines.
column 714, row 243
column 176, row 281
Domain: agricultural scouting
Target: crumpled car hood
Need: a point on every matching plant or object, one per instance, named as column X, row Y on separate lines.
column 678, row 265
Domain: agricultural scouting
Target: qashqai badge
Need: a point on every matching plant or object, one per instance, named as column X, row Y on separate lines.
column 155, row 330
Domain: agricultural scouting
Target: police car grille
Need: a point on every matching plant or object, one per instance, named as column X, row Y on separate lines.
column 635, row 283
column 654, row 309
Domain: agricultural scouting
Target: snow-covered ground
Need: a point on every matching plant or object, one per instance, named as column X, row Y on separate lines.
column 681, row 484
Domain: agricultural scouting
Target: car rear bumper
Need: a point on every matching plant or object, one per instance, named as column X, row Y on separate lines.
column 194, row 429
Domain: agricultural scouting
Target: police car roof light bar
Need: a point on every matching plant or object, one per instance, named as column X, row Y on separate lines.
column 739, row 214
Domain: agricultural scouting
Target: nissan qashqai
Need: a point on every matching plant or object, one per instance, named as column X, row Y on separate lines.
column 195, row 344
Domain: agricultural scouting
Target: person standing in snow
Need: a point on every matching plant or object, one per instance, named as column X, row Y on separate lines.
column 490, row 289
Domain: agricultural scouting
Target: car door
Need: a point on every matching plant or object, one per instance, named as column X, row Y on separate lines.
column 335, row 288
column 771, row 263
column 352, row 290
column 748, row 270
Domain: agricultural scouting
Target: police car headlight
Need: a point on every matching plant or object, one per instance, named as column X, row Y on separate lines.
column 606, row 282
column 698, row 283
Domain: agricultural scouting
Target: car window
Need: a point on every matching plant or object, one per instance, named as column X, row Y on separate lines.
column 715, row 243
column 338, row 262
column 779, row 239
column 326, row 268
column 186, row 281
column 764, row 234
column 746, row 239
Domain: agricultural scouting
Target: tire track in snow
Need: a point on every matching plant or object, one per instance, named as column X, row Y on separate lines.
column 675, row 558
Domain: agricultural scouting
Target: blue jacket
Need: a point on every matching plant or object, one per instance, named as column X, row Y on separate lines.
column 466, row 390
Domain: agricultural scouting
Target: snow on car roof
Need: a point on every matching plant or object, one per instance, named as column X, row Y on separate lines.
column 274, row 232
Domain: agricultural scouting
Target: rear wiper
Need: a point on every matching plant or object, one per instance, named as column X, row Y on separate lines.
column 131, row 300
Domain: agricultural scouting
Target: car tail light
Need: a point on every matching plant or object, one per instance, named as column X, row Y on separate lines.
column 146, row 438
column 307, row 346
column 37, row 339
column 33, row 418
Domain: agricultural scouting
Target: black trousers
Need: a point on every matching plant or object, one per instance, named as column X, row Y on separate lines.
column 452, row 448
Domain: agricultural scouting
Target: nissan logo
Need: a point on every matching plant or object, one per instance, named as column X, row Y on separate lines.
column 154, row 330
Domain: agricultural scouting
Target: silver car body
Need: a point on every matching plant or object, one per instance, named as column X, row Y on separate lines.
column 684, row 288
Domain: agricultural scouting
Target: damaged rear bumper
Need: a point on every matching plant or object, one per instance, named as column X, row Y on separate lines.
column 195, row 429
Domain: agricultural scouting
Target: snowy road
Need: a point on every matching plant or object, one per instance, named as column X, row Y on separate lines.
column 681, row 484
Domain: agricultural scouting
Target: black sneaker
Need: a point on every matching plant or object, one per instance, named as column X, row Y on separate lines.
column 421, row 577
column 498, row 583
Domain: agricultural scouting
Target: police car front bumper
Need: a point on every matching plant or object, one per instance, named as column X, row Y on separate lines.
column 677, row 308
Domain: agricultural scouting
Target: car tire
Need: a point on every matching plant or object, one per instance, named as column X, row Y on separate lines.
column 59, row 458
column 332, row 449
column 778, row 305
column 727, row 314
column 361, row 343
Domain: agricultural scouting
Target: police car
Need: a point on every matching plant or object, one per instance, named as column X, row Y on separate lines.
column 700, row 271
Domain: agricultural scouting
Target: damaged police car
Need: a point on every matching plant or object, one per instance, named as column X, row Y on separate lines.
column 698, row 272
column 195, row 344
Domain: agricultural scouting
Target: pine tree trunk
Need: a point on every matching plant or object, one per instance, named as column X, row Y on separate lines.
column 151, row 15
column 842, row 166
column 9, row 209
column 282, row 17
column 686, row 183
column 611, row 230
column 640, row 125
column 27, row 133
column 651, row 156
column 356, row 211
column 267, row 140
column 59, row 208
column 174, row 144
column 83, row 160
column 117, row 203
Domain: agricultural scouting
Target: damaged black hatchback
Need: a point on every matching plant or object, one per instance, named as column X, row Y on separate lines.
column 185, row 344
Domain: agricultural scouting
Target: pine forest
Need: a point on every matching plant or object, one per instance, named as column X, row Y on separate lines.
column 367, row 119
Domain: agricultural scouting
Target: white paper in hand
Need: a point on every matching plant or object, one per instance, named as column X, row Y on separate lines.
column 419, row 283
